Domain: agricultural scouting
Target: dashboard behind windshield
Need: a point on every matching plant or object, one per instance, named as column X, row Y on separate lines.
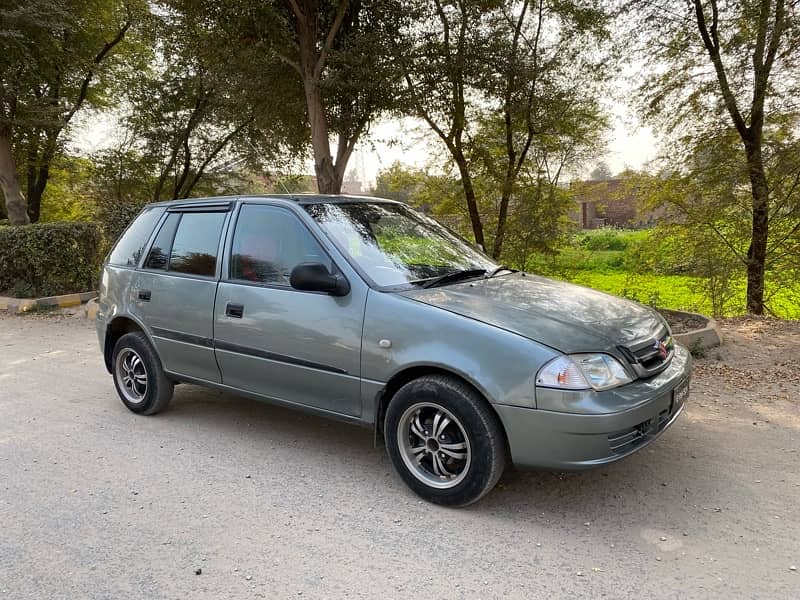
column 394, row 245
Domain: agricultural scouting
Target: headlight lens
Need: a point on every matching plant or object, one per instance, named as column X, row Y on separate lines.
column 583, row 371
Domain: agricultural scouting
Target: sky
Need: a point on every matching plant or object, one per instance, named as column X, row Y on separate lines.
column 408, row 142
column 630, row 145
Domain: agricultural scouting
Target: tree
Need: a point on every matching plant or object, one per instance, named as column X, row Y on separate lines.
column 59, row 56
column 506, row 71
column 197, row 108
column 337, row 53
column 399, row 183
column 726, row 67
column 602, row 172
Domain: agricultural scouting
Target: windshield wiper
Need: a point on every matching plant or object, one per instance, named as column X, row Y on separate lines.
column 453, row 276
column 498, row 270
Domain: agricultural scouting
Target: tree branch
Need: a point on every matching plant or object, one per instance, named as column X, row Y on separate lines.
column 292, row 63
column 217, row 149
column 104, row 51
column 299, row 14
column 711, row 43
column 329, row 39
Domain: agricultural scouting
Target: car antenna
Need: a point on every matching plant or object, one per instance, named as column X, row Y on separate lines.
column 285, row 189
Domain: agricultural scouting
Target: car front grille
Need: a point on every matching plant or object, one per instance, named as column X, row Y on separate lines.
column 650, row 356
column 626, row 440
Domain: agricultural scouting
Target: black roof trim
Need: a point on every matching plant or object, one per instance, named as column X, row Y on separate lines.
column 225, row 202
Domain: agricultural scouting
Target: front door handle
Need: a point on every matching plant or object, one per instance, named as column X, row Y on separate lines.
column 144, row 295
column 234, row 310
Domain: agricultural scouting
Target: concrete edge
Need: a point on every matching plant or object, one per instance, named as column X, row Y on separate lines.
column 17, row 305
column 706, row 337
column 90, row 310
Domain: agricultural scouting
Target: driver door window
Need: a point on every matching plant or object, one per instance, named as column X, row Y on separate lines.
column 268, row 243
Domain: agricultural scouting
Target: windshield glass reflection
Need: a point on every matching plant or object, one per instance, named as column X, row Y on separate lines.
column 394, row 245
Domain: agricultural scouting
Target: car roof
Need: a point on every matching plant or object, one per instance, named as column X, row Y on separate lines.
column 303, row 198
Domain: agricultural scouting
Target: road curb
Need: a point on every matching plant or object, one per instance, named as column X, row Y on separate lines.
column 706, row 337
column 90, row 310
column 17, row 305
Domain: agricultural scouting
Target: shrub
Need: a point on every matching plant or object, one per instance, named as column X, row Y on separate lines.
column 113, row 218
column 48, row 259
column 605, row 239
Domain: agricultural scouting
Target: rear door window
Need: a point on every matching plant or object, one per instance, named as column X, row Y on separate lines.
column 130, row 247
column 194, row 249
column 158, row 257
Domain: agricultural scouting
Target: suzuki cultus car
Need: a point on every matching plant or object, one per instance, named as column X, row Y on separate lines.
column 367, row 311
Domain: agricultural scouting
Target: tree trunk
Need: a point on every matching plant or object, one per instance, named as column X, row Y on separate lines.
column 16, row 207
column 327, row 181
column 36, row 191
column 472, row 203
column 502, row 217
column 757, row 252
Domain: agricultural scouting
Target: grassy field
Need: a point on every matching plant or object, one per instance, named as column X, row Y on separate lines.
column 605, row 260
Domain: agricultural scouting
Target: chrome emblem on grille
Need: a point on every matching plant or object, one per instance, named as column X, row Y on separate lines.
column 662, row 349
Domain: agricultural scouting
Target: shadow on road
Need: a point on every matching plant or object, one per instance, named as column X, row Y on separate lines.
column 666, row 471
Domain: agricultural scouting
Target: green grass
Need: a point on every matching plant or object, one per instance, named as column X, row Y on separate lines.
column 611, row 267
column 679, row 292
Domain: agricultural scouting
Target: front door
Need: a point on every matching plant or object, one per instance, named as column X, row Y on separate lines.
column 278, row 342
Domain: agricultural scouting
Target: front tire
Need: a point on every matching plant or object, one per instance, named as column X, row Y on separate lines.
column 140, row 381
column 444, row 440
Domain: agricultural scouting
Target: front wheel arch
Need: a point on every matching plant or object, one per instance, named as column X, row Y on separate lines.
column 468, row 420
column 407, row 375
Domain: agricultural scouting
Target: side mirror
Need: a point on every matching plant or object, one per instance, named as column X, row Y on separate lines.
column 315, row 277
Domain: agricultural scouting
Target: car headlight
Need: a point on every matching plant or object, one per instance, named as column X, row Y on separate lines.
column 582, row 372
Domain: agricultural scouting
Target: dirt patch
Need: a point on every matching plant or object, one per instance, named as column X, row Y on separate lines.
column 683, row 322
column 756, row 364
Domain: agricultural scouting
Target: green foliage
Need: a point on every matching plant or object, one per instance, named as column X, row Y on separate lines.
column 610, row 239
column 401, row 183
column 63, row 55
column 665, row 267
column 724, row 92
column 48, row 259
column 69, row 195
column 511, row 89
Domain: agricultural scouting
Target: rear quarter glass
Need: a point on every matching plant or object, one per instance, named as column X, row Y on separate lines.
column 130, row 246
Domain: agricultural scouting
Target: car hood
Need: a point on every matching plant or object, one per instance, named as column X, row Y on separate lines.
column 567, row 317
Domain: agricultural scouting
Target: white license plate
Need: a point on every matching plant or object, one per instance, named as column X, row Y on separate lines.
column 679, row 395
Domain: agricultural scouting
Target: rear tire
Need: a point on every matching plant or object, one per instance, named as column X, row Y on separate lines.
column 140, row 381
column 444, row 440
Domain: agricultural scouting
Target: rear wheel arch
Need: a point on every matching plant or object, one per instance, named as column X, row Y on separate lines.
column 118, row 327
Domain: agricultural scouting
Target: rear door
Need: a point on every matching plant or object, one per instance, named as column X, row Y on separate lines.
column 276, row 341
column 174, row 291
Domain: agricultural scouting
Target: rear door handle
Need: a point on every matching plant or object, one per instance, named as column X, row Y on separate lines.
column 144, row 295
column 234, row 310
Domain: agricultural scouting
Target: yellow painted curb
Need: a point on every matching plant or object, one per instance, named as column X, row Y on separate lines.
column 91, row 309
column 15, row 305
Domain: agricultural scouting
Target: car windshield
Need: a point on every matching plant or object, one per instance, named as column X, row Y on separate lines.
column 396, row 246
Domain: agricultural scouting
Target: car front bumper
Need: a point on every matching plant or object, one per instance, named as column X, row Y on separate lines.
column 572, row 441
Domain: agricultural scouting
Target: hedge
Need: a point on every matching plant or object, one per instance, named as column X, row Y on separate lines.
column 48, row 259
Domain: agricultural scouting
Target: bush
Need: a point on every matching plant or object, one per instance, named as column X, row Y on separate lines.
column 48, row 259
column 605, row 239
column 114, row 218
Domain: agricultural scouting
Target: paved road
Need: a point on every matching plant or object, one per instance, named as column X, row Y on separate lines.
column 96, row 502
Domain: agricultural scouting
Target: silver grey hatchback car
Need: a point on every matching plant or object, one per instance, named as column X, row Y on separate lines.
column 367, row 311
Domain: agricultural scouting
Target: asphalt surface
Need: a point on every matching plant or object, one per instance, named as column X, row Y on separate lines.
column 263, row 502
